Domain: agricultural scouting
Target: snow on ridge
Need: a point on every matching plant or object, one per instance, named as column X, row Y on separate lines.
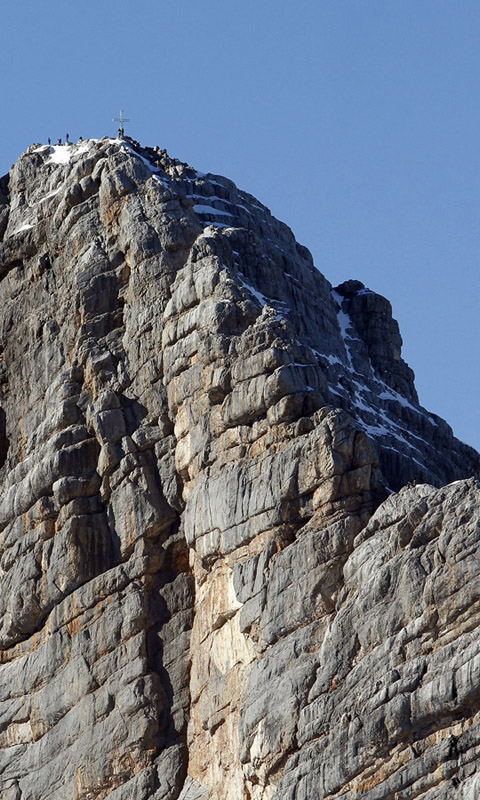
column 215, row 225
column 47, row 196
column 262, row 298
column 387, row 393
column 245, row 201
column 385, row 426
column 25, row 227
column 213, row 182
column 127, row 146
column 390, row 394
column 210, row 180
column 345, row 325
column 199, row 208
column 220, row 199
column 60, row 154
column 160, row 179
column 219, row 225
column 258, row 295
column 63, row 153
column 157, row 173
column 84, row 147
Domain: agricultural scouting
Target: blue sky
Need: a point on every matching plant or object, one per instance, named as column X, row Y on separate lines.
column 356, row 121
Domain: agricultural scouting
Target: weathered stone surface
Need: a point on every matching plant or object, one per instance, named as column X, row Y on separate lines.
column 202, row 593
column 393, row 704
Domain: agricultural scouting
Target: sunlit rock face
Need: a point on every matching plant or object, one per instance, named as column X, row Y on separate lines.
column 212, row 583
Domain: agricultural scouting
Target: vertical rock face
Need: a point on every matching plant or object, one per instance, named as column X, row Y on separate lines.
column 207, row 586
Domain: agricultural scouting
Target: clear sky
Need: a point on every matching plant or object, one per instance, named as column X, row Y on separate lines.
column 356, row 122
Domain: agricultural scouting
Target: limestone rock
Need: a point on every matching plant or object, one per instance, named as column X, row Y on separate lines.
column 208, row 586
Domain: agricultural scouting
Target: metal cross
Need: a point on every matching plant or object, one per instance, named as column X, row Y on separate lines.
column 121, row 119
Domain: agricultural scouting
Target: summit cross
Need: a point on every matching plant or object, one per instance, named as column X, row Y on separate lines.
column 121, row 119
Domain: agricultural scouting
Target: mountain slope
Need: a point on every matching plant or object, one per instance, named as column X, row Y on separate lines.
column 195, row 432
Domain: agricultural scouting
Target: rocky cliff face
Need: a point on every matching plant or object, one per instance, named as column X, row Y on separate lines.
column 212, row 583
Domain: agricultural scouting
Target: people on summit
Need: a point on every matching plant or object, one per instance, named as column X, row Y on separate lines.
column 121, row 134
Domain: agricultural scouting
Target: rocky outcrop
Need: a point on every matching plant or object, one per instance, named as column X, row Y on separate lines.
column 393, row 695
column 209, row 586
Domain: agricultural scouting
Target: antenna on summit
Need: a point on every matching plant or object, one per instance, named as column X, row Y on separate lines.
column 121, row 119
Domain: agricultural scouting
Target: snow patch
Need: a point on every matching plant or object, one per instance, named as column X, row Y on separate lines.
column 220, row 226
column 258, row 295
column 162, row 181
column 47, row 196
column 216, row 226
column 331, row 359
column 391, row 394
column 203, row 209
column 220, row 199
column 60, row 154
column 145, row 161
column 84, row 147
column 24, row 227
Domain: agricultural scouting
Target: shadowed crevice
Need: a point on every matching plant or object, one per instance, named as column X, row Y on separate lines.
column 4, row 443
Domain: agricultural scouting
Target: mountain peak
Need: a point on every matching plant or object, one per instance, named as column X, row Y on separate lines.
column 210, row 586
column 349, row 338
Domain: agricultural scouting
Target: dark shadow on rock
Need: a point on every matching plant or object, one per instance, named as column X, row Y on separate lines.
column 4, row 443
column 171, row 618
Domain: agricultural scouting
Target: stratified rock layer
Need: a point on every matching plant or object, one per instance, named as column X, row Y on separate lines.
column 202, row 593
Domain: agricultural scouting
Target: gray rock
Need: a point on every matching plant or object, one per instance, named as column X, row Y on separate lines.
column 207, row 586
